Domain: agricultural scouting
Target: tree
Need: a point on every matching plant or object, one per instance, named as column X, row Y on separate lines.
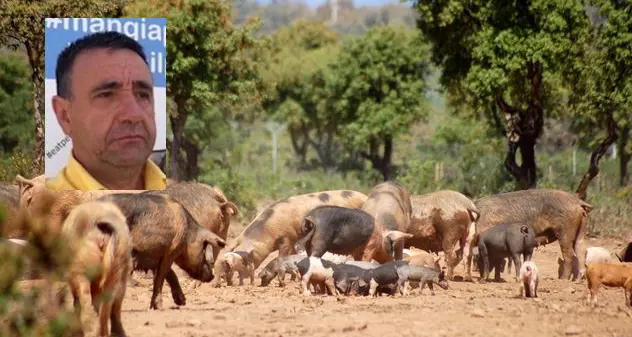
column 297, row 64
column 22, row 26
column 602, row 85
column 15, row 94
column 209, row 70
column 497, row 56
column 376, row 91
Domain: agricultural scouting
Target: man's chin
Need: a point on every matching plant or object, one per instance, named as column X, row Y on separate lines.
column 128, row 157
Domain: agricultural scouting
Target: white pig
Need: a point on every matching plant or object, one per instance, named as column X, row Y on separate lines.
column 529, row 277
column 593, row 255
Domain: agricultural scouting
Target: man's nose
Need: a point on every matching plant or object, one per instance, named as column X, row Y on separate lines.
column 131, row 109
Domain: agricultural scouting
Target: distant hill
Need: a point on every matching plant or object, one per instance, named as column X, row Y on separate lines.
column 357, row 3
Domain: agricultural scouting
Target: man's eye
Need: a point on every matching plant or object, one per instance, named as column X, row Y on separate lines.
column 105, row 94
column 144, row 95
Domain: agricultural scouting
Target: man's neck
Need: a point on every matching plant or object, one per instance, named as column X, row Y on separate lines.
column 127, row 178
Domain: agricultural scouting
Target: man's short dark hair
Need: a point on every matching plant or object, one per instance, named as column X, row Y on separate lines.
column 107, row 40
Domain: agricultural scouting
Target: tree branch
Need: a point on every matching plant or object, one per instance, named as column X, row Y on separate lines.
column 596, row 155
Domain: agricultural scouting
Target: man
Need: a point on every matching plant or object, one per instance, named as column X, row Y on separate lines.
column 105, row 104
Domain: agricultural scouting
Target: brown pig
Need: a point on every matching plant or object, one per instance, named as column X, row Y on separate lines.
column 389, row 204
column 423, row 258
column 553, row 214
column 101, row 243
column 163, row 233
column 443, row 221
column 34, row 195
column 610, row 275
column 207, row 204
column 279, row 225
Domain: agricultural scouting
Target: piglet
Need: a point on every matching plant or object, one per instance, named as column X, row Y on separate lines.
column 610, row 275
column 529, row 276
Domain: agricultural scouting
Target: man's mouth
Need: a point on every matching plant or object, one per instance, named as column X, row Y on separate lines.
column 130, row 137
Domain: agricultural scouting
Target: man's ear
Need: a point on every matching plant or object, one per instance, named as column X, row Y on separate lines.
column 61, row 106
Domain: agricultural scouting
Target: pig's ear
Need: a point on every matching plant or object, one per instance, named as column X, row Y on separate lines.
column 397, row 236
column 230, row 208
column 215, row 240
column 437, row 258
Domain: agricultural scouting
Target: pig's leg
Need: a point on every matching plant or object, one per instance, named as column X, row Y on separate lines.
column 534, row 288
column 516, row 260
column 468, row 264
column 593, row 289
column 579, row 248
column 280, row 277
column 401, row 285
column 229, row 276
column 373, row 288
column 566, row 246
column 241, row 277
column 466, row 245
column 305, row 282
column 431, row 287
column 80, row 286
column 176, row 291
column 451, row 258
column 159, row 280
column 482, row 253
column 497, row 264
column 509, row 266
column 251, row 271
column 105, row 311
column 117, row 325
column 329, row 284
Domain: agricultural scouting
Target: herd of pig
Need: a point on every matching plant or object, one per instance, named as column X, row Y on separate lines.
column 336, row 242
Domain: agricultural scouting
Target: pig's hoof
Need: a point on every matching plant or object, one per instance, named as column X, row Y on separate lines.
column 156, row 306
column 179, row 299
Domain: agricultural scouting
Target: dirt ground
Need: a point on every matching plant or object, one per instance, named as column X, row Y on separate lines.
column 465, row 309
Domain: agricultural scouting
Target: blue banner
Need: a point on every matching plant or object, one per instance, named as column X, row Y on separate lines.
column 151, row 33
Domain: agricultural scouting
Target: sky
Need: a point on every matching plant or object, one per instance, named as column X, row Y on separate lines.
column 357, row 3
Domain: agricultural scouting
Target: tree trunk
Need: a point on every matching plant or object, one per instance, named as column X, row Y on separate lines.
column 300, row 147
column 523, row 129
column 34, row 50
column 624, row 157
column 177, row 128
column 191, row 169
column 381, row 163
column 596, row 155
column 386, row 159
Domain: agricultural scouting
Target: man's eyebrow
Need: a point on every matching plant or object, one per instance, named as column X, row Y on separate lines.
column 143, row 85
column 106, row 85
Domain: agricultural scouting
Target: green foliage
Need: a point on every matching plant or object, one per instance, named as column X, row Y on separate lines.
column 601, row 81
column 212, row 70
column 16, row 123
column 461, row 156
column 377, row 84
column 19, row 162
column 485, row 46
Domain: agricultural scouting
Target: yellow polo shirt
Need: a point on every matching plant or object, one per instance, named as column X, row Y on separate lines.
column 75, row 177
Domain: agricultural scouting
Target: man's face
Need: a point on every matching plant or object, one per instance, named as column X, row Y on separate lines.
column 110, row 115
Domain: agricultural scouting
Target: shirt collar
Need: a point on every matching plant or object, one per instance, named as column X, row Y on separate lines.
column 79, row 177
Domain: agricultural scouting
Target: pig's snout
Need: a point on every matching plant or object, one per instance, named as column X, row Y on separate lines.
column 444, row 284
